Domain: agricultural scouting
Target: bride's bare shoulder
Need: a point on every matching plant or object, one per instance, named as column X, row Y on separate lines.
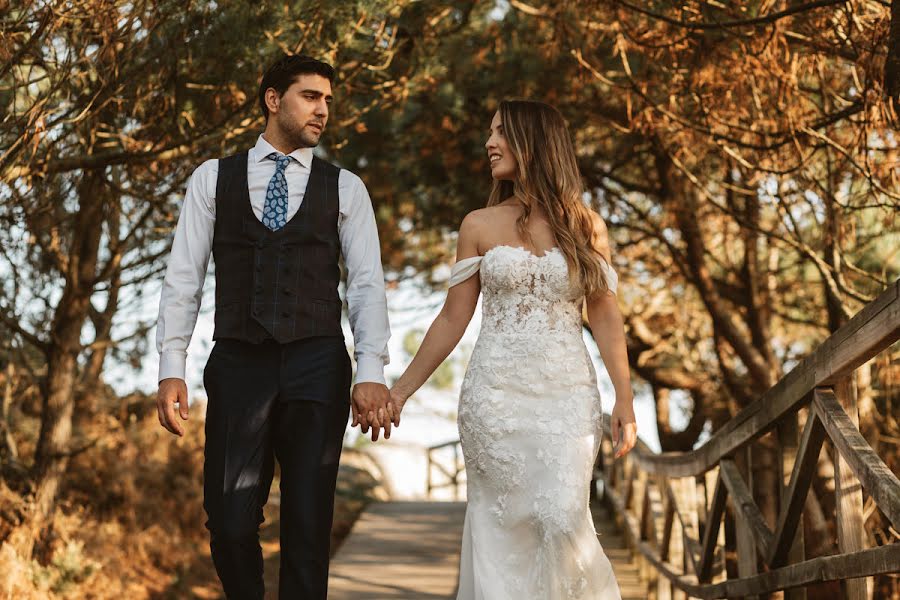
column 478, row 219
column 479, row 226
column 600, row 236
column 489, row 216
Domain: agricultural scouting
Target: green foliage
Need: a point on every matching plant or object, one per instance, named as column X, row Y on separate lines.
column 67, row 569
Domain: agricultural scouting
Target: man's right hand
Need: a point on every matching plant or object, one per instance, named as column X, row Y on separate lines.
column 172, row 391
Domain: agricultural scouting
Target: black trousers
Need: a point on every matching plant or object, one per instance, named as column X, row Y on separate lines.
column 270, row 401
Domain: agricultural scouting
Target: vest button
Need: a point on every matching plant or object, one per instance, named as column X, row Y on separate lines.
column 258, row 268
column 285, row 314
column 287, row 292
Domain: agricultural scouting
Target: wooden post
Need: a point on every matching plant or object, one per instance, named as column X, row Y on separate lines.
column 746, row 547
column 848, row 496
column 677, row 555
column 713, row 531
column 665, row 586
column 610, row 467
column 656, row 513
column 628, row 478
column 789, row 440
column 700, row 494
column 636, row 505
column 710, row 478
column 653, row 519
column 687, row 499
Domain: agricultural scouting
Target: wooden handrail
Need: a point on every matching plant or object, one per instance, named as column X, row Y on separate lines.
column 869, row 332
column 767, row 560
column 452, row 476
column 877, row 479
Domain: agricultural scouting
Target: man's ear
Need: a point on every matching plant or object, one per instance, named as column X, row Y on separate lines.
column 275, row 99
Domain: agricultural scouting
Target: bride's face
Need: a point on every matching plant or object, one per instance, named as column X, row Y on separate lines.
column 503, row 164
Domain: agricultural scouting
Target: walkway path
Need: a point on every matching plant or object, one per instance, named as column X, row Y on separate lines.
column 410, row 550
column 400, row 550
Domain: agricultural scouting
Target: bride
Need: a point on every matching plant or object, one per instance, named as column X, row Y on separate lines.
column 529, row 407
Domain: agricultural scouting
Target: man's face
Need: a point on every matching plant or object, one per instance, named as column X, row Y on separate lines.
column 301, row 113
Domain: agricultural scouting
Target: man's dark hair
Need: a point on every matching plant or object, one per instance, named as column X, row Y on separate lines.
column 285, row 70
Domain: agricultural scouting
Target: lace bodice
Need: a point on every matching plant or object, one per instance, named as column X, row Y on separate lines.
column 526, row 294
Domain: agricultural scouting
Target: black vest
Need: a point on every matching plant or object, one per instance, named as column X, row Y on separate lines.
column 280, row 285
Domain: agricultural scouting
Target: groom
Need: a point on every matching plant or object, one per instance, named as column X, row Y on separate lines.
column 277, row 220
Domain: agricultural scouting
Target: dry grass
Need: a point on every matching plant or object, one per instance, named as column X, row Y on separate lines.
column 129, row 523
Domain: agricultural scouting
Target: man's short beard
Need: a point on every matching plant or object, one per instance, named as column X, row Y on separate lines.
column 298, row 137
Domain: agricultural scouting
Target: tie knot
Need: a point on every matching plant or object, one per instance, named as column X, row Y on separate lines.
column 281, row 161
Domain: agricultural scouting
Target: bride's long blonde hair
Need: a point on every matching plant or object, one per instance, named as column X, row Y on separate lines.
column 547, row 176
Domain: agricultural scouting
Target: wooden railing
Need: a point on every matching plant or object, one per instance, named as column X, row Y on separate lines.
column 451, row 475
column 672, row 505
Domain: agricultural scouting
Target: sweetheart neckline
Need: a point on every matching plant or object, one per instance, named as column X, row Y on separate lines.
column 547, row 253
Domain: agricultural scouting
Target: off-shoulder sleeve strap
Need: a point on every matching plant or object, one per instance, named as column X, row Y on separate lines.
column 464, row 269
column 612, row 278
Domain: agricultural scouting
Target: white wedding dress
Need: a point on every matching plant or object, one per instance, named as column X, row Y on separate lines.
column 530, row 425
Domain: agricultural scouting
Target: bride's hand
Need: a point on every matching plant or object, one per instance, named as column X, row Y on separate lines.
column 624, row 423
column 395, row 407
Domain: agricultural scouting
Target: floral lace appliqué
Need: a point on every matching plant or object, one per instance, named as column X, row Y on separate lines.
column 529, row 421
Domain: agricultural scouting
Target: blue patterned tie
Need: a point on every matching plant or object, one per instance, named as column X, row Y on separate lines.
column 276, row 205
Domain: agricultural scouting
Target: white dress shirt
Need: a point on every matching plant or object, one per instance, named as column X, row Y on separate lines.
column 192, row 246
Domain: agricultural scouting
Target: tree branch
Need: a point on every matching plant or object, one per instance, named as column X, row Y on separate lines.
column 892, row 63
column 763, row 20
column 28, row 336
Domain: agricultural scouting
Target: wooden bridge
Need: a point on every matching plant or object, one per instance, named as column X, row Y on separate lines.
column 679, row 525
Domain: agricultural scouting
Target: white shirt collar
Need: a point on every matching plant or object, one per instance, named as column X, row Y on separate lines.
column 262, row 149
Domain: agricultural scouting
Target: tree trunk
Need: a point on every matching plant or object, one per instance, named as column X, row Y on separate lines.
column 684, row 440
column 892, row 63
column 86, row 402
column 52, row 452
column 8, row 449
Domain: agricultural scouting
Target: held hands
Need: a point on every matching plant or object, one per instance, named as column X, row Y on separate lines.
column 172, row 391
column 372, row 408
column 624, row 423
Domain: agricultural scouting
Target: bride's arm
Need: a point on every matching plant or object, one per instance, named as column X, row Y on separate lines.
column 608, row 328
column 448, row 327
